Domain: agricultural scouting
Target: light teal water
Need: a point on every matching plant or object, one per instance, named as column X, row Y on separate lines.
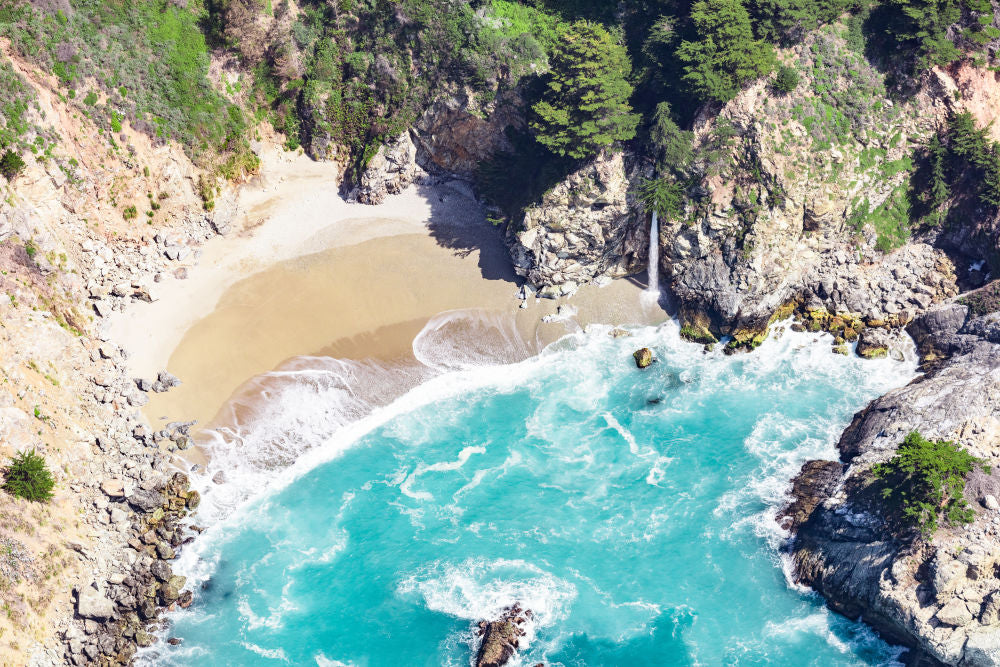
column 632, row 511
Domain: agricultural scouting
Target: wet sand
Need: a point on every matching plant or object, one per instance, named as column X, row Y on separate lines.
column 364, row 301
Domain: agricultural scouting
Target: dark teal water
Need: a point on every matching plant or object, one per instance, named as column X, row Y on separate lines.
column 632, row 512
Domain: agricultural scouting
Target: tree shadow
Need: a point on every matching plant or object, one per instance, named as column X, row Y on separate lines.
column 458, row 222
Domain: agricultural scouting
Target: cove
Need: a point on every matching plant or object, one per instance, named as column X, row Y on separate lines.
column 631, row 511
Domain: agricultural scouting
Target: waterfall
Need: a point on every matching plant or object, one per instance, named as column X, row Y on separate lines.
column 654, row 256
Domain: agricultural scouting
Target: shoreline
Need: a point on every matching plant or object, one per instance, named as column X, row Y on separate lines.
column 353, row 287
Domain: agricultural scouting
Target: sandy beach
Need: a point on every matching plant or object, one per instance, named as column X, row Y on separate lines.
column 313, row 274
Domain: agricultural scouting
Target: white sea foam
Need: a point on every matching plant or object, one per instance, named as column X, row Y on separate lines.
column 470, row 338
column 273, row 654
column 316, row 411
column 477, row 589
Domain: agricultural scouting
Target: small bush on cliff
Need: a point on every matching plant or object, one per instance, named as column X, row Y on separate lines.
column 28, row 477
column 787, row 79
column 925, row 483
column 585, row 105
column 11, row 164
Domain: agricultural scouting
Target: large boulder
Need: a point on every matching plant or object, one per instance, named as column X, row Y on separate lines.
column 91, row 603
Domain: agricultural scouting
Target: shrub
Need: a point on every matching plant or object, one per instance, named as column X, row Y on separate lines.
column 925, row 483
column 28, row 477
column 787, row 79
column 11, row 164
column 130, row 213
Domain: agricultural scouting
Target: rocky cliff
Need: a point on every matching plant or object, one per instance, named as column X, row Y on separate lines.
column 942, row 597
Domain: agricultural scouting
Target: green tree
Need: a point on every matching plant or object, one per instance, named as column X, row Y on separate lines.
column 923, row 25
column 926, row 481
column 11, row 164
column 939, row 190
column 787, row 79
column 783, row 21
column 28, row 477
column 674, row 146
column 663, row 195
column 585, row 106
column 725, row 55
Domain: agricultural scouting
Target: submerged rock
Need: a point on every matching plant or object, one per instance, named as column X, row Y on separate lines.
column 643, row 357
column 501, row 637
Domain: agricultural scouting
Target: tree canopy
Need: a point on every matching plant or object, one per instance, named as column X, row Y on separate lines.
column 725, row 56
column 585, row 104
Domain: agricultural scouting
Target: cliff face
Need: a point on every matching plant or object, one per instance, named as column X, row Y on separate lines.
column 449, row 140
column 587, row 227
column 805, row 197
column 943, row 597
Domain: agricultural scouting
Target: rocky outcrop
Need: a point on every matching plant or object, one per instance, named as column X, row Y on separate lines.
column 937, row 597
column 118, row 615
column 501, row 636
column 589, row 226
column 449, row 140
column 643, row 357
column 393, row 168
column 792, row 184
column 454, row 136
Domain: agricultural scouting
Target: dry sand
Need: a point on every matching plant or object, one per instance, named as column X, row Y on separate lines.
column 320, row 276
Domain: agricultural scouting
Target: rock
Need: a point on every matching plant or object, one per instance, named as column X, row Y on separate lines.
column 146, row 501
column 955, row 613
column 643, row 357
column 91, row 603
column 816, row 481
column 989, row 614
column 390, row 170
column 586, row 227
column 171, row 589
column 990, row 502
column 873, row 343
column 219, row 477
column 500, row 637
column 118, row 515
column 982, row 649
column 948, row 575
column 193, row 500
column 102, row 308
column 143, row 384
column 161, row 570
column 115, row 488
column 167, row 380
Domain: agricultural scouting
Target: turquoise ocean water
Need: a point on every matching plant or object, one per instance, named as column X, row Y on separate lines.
column 631, row 511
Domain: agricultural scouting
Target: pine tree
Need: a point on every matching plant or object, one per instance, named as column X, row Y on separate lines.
column 923, row 24
column 585, row 105
column 726, row 55
column 939, row 189
column 28, row 477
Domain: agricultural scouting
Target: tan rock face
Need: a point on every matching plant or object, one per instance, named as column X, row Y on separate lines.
column 586, row 227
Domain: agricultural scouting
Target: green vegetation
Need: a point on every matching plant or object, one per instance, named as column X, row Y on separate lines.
column 664, row 196
column 154, row 50
column 11, row 164
column 924, row 483
column 983, row 301
column 959, row 171
column 725, row 55
column 926, row 28
column 787, row 79
column 28, row 477
column 585, row 104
